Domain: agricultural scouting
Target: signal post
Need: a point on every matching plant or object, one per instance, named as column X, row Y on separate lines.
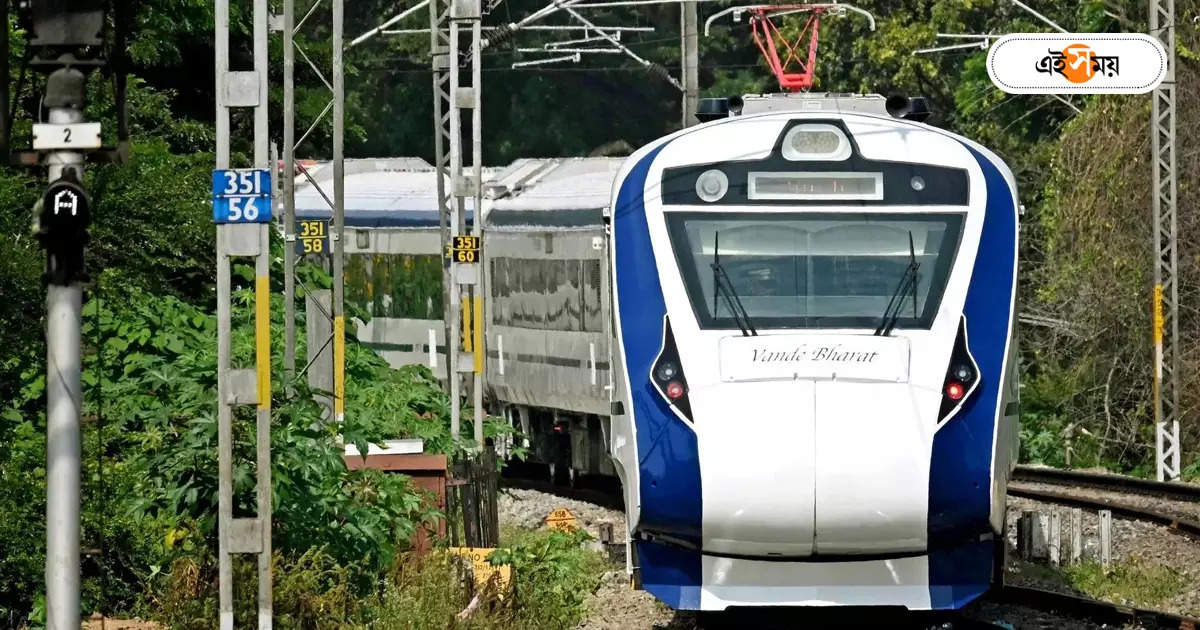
column 63, row 40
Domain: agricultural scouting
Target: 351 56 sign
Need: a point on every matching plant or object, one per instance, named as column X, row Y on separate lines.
column 465, row 249
column 241, row 195
column 312, row 236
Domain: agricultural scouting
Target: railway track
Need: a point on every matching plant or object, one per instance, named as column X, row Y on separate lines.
column 1091, row 609
column 1179, row 512
column 1109, row 481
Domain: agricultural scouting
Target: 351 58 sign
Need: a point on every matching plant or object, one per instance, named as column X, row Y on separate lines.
column 241, row 195
column 312, row 237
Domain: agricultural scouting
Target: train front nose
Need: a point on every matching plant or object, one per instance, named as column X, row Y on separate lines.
column 816, row 466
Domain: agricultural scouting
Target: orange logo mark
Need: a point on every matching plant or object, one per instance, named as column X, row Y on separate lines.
column 1078, row 63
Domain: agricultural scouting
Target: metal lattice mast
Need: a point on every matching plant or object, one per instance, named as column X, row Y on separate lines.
column 288, row 186
column 1166, row 287
column 321, row 369
column 439, row 42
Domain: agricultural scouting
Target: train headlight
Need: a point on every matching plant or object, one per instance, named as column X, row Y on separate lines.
column 815, row 142
column 917, row 183
column 667, row 377
column 962, row 376
column 712, row 185
column 667, row 371
column 963, row 372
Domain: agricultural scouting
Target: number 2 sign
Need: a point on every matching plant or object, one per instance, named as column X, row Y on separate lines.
column 241, row 195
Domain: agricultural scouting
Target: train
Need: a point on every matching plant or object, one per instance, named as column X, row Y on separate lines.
column 788, row 332
column 815, row 400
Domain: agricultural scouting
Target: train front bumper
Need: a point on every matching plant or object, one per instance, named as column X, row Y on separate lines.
column 945, row 579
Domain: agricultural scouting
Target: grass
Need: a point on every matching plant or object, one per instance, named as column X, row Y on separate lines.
column 1130, row 583
column 553, row 572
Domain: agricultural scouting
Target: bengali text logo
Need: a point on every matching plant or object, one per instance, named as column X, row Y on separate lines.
column 1075, row 63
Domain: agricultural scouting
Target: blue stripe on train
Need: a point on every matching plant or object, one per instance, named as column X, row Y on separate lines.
column 668, row 462
column 960, row 471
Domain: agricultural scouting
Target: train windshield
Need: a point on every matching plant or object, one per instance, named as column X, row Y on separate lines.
column 814, row 270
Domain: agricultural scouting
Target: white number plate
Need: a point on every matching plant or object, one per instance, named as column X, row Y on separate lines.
column 47, row 136
column 850, row 357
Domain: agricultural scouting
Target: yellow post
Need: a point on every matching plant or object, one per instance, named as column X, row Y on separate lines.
column 1158, row 348
column 467, row 337
column 339, row 368
column 262, row 339
column 477, row 335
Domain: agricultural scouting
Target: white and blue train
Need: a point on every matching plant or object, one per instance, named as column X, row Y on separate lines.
column 815, row 392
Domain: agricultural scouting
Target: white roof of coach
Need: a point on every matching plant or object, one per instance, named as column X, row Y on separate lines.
column 552, row 192
column 401, row 192
column 380, row 192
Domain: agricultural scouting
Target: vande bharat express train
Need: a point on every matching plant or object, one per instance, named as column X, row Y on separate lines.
column 815, row 395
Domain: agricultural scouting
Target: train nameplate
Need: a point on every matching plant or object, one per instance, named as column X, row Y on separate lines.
column 850, row 357
column 561, row 519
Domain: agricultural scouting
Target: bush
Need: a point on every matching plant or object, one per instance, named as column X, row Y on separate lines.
column 553, row 576
column 149, row 377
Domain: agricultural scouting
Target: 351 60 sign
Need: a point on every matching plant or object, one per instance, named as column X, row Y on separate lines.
column 465, row 249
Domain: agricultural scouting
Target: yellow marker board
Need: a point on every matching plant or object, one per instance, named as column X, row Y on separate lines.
column 465, row 249
column 484, row 571
column 562, row 519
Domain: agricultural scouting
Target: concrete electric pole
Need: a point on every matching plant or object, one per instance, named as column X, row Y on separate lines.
column 242, row 207
column 690, row 60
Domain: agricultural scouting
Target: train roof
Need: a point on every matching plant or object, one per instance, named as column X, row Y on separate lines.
column 401, row 193
column 380, row 192
column 552, row 192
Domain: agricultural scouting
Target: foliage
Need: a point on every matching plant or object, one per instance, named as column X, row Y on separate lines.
column 555, row 576
column 151, row 383
column 552, row 571
column 310, row 590
column 1132, row 583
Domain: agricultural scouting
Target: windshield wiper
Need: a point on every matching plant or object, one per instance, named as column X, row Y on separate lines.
column 723, row 287
column 908, row 283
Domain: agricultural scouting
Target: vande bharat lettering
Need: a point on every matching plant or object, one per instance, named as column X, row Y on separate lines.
column 790, row 357
column 821, row 353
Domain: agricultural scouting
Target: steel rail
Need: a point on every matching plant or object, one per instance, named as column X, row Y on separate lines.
column 1184, row 526
column 1109, row 481
column 1092, row 609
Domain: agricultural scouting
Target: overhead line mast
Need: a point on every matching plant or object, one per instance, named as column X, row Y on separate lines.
column 1166, row 266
